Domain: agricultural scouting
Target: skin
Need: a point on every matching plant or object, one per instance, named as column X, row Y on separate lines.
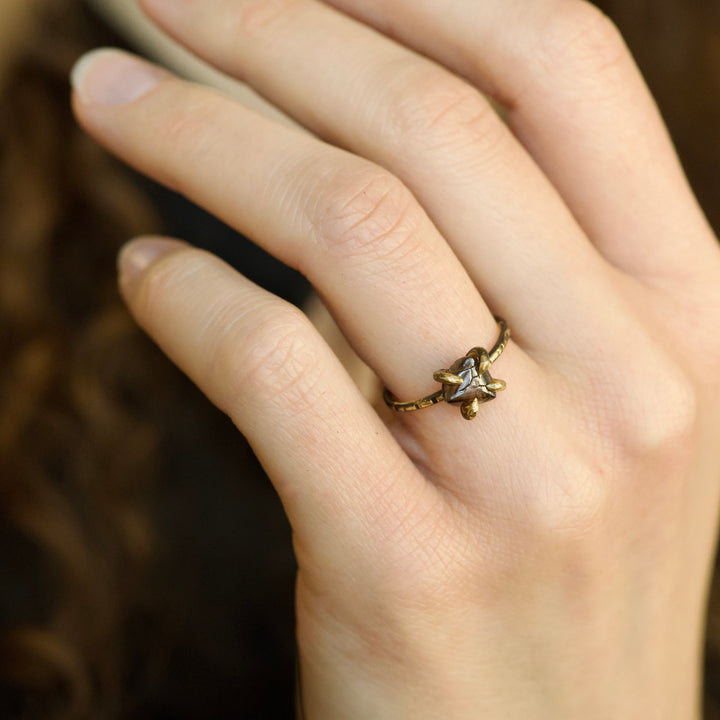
column 549, row 559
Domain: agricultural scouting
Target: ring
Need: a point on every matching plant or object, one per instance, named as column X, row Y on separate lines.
column 467, row 383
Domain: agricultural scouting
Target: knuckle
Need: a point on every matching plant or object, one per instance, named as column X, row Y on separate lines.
column 436, row 110
column 367, row 214
column 648, row 413
column 195, row 128
column 278, row 358
column 567, row 499
column 163, row 276
column 664, row 410
column 186, row 121
column 582, row 40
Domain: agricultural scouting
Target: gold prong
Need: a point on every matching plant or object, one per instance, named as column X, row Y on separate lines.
column 497, row 385
column 484, row 365
column 470, row 409
column 447, row 378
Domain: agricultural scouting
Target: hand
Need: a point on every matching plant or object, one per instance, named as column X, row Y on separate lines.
column 550, row 558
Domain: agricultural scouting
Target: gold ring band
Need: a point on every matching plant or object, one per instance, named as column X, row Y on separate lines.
column 467, row 383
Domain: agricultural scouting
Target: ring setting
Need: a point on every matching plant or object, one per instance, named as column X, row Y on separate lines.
column 467, row 382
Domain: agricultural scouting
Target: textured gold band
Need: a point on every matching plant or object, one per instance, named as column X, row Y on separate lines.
column 467, row 383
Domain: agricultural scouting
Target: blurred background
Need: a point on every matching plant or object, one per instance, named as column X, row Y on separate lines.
column 146, row 569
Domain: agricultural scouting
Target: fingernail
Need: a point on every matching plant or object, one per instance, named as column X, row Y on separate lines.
column 113, row 77
column 136, row 255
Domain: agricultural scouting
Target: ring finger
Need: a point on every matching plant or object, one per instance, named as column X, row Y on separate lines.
column 391, row 280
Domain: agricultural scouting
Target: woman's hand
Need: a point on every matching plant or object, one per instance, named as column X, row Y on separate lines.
column 550, row 558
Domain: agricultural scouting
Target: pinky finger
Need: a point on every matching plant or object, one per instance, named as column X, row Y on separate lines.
column 339, row 472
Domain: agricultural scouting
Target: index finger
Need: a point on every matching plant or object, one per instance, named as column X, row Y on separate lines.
column 341, row 476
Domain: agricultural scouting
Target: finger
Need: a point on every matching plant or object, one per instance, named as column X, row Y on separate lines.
column 262, row 362
column 390, row 279
column 579, row 104
column 504, row 220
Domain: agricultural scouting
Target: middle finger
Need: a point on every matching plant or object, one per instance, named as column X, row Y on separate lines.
column 363, row 91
